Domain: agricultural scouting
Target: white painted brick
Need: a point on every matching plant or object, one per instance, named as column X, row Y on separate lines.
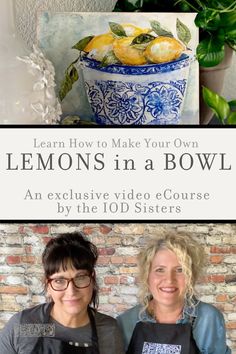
column 11, row 250
column 14, row 240
column 23, row 300
column 2, row 259
column 127, row 290
column 232, row 316
column 115, row 300
column 62, row 228
column 13, row 280
column 35, row 285
column 217, row 269
column 11, row 270
column 224, row 229
column 214, row 240
column 207, row 298
column 9, row 228
column 32, row 240
column 206, row 289
column 131, row 229
column 127, row 251
column 230, row 259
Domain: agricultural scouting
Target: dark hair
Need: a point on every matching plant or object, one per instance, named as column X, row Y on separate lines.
column 71, row 249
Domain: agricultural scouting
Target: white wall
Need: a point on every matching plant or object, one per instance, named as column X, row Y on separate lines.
column 27, row 14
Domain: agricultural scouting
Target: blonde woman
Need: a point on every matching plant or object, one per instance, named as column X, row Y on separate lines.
column 169, row 318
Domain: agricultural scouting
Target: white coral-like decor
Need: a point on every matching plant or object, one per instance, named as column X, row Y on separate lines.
column 46, row 104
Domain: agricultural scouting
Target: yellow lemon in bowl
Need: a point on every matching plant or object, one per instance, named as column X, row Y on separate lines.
column 99, row 46
column 132, row 30
column 126, row 53
column 163, row 49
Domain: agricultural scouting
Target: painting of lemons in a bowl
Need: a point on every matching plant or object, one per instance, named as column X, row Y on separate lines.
column 132, row 72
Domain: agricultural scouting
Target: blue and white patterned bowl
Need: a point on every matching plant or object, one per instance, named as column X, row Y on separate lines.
column 151, row 94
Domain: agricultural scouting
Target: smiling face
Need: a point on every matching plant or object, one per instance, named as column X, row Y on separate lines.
column 71, row 304
column 166, row 280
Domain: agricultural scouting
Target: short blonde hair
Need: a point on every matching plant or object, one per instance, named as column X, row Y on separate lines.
column 189, row 252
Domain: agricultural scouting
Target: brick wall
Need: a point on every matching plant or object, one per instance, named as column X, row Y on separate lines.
column 21, row 246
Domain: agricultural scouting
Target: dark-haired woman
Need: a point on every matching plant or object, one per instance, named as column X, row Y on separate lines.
column 69, row 323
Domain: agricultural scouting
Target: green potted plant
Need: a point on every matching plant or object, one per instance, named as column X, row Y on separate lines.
column 224, row 111
column 217, row 26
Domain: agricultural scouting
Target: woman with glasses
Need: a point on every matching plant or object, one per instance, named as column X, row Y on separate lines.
column 69, row 322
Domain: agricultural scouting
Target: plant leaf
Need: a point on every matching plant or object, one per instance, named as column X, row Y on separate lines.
column 156, row 27
column 210, row 51
column 208, row 20
column 109, row 59
column 232, row 118
column 232, row 105
column 232, row 44
column 228, row 20
column 127, row 6
column 82, row 43
column 117, row 29
column 231, row 34
column 143, row 38
column 217, row 103
column 183, row 32
column 71, row 76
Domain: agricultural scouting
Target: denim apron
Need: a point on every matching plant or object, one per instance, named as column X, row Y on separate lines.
column 51, row 345
column 162, row 338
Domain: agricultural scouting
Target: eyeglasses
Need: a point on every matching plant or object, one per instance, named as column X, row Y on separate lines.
column 61, row 284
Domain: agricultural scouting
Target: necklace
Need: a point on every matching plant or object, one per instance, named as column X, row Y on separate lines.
column 153, row 314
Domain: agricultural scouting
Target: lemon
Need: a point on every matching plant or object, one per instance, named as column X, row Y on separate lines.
column 126, row 53
column 99, row 46
column 163, row 49
column 133, row 31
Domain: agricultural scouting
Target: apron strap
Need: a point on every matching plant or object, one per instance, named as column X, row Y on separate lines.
column 91, row 314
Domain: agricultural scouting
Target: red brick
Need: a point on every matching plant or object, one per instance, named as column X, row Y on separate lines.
column 106, row 251
column 28, row 249
column 46, row 240
column 28, row 259
column 111, row 280
column 21, row 229
column 103, row 260
column 105, row 229
column 217, row 278
column 218, row 249
column 123, row 280
column 130, row 260
column 221, row 298
column 87, row 230
column 13, row 259
column 231, row 325
column 104, row 291
column 117, row 260
column 216, row 259
column 13, row 290
column 40, row 229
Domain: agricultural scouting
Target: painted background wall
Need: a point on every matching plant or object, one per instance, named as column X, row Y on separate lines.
column 27, row 14
column 21, row 247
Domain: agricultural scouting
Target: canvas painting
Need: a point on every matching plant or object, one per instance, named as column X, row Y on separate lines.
column 124, row 68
